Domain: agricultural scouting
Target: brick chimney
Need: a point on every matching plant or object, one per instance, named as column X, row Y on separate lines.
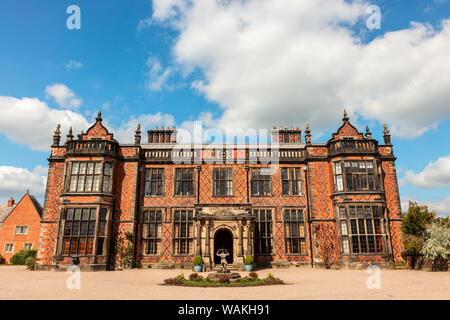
column 162, row 135
column 286, row 135
column 10, row 202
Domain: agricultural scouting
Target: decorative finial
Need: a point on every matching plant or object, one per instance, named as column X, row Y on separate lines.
column 307, row 134
column 99, row 115
column 387, row 135
column 137, row 135
column 368, row 133
column 57, row 136
column 345, row 118
column 70, row 135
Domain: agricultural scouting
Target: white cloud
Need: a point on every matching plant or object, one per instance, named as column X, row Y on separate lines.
column 435, row 174
column 31, row 122
column 441, row 207
column 72, row 64
column 15, row 182
column 290, row 62
column 125, row 133
column 157, row 75
column 63, row 96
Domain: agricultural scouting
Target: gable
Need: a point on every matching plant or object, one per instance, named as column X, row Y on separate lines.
column 97, row 131
column 27, row 206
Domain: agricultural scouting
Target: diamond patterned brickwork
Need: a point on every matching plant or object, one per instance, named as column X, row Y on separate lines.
column 50, row 216
column 321, row 187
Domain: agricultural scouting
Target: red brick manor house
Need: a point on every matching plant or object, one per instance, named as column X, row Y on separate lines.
column 179, row 203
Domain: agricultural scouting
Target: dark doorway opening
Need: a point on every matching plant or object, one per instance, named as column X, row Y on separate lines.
column 223, row 240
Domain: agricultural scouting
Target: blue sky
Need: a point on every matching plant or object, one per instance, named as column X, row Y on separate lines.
column 232, row 64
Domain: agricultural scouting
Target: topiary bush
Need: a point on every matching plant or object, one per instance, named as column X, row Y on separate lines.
column 198, row 261
column 249, row 260
column 20, row 257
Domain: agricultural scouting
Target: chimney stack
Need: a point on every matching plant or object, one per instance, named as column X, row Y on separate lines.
column 10, row 202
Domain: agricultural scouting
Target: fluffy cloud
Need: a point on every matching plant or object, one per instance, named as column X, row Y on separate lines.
column 72, row 64
column 125, row 133
column 441, row 207
column 298, row 61
column 14, row 182
column 31, row 122
column 63, row 96
column 435, row 174
column 157, row 75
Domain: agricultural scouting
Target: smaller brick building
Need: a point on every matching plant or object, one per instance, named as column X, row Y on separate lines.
column 19, row 225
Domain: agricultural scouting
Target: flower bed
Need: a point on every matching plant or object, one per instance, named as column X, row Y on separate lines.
column 196, row 280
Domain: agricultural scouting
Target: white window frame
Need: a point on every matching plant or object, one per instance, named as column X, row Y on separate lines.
column 31, row 246
column 12, row 248
column 19, row 228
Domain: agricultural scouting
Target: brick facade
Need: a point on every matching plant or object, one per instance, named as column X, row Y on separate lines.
column 319, row 202
column 26, row 213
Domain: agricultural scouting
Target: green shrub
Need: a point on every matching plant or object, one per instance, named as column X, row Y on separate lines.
column 21, row 256
column 2, row 259
column 198, row 261
column 31, row 262
column 249, row 260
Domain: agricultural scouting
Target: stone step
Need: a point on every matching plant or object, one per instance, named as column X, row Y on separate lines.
column 230, row 267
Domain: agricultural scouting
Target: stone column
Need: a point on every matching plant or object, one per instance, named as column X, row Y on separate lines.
column 198, row 248
column 240, row 244
column 249, row 239
column 207, row 248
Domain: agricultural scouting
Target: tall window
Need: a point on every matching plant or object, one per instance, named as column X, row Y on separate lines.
column 154, row 182
column 291, row 180
column 355, row 175
column 21, row 229
column 184, row 181
column 222, row 181
column 28, row 246
column 261, row 182
column 294, row 227
column 152, row 230
column 361, row 229
column 183, row 232
column 77, row 231
column 86, row 176
column 263, row 231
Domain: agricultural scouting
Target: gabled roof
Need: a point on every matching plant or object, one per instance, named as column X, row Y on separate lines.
column 6, row 211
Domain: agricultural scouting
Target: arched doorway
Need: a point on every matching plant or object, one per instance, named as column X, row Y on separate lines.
column 223, row 239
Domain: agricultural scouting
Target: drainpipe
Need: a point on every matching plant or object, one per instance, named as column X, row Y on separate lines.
column 247, row 168
column 199, row 168
column 309, row 216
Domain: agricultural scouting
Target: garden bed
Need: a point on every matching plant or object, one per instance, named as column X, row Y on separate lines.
column 196, row 280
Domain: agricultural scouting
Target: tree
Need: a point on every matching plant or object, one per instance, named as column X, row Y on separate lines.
column 326, row 243
column 414, row 225
column 437, row 246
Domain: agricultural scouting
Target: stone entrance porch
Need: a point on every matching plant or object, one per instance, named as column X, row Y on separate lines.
column 224, row 226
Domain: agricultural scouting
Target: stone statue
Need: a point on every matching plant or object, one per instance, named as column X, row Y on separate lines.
column 223, row 254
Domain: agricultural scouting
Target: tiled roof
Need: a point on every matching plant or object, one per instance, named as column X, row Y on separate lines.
column 5, row 211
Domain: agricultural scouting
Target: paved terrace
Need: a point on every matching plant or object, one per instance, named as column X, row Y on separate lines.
column 19, row 283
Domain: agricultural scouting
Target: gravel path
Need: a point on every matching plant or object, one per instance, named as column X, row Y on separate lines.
column 19, row 283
